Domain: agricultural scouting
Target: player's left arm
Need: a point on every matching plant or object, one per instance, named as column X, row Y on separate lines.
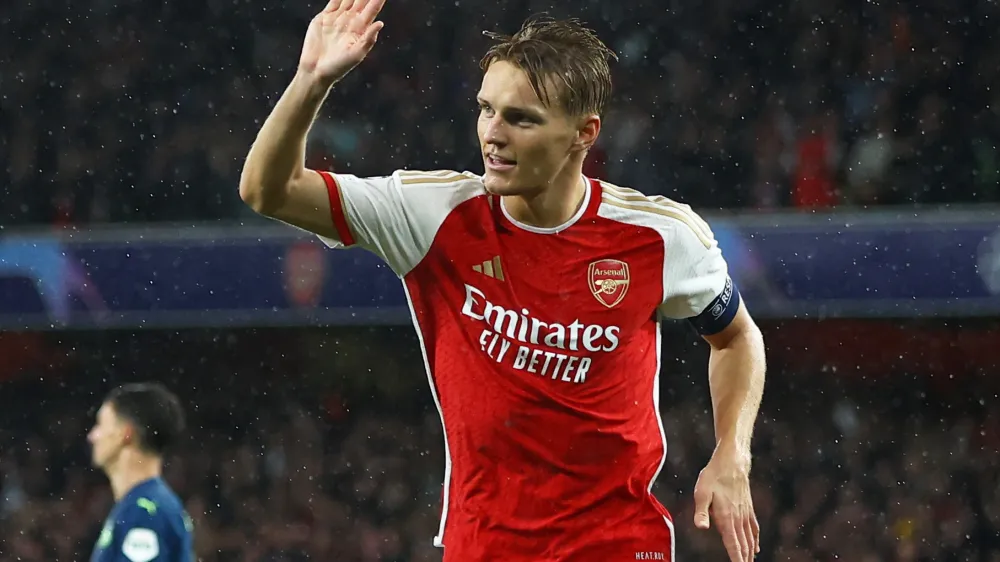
column 736, row 380
column 698, row 287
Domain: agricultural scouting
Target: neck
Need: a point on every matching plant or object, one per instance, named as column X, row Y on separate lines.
column 552, row 206
column 130, row 469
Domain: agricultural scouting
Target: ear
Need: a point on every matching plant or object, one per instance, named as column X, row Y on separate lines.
column 127, row 432
column 587, row 131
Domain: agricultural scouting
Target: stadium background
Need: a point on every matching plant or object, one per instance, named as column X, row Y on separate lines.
column 821, row 138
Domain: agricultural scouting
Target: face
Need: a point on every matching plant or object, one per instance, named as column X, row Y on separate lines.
column 526, row 145
column 109, row 434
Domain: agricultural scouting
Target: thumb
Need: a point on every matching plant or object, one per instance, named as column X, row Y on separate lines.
column 702, row 501
column 371, row 34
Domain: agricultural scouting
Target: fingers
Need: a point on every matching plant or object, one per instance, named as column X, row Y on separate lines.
column 370, row 9
column 332, row 6
column 748, row 533
column 755, row 531
column 739, row 534
column 731, row 537
column 702, row 503
column 745, row 534
column 751, row 538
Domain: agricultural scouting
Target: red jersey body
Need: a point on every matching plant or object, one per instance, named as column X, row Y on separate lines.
column 542, row 348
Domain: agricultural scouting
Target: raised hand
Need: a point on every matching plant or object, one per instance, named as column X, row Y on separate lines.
column 339, row 38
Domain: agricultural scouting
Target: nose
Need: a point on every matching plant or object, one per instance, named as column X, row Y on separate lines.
column 495, row 132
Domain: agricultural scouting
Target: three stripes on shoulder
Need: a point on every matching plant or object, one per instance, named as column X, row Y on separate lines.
column 415, row 177
column 632, row 200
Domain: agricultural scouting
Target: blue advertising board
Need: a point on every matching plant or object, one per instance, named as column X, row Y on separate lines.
column 880, row 264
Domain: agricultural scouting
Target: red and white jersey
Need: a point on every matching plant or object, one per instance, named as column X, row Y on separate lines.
column 542, row 349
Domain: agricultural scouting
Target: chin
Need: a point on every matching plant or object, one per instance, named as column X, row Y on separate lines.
column 500, row 185
column 97, row 460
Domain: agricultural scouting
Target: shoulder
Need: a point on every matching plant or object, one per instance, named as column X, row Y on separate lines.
column 158, row 512
column 447, row 187
column 440, row 179
column 674, row 221
column 430, row 196
column 140, row 507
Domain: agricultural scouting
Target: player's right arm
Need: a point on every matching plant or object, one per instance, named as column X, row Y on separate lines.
column 275, row 181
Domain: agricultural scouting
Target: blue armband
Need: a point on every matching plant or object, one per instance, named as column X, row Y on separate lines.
column 720, row 312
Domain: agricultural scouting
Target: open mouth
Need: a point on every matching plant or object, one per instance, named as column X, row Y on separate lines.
column 499, row 163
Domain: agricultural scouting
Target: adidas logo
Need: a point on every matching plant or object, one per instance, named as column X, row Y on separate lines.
column 490, row 268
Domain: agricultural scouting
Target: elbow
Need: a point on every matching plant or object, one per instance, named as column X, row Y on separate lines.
column 755, row 336
column 259, row 197
column 756, row 352
column 752, row 341
column 748, row 340
column 251, row 195
column 743, row 347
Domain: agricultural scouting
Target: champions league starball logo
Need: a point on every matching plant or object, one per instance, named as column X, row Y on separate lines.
column 60, row 279
column 988, row 262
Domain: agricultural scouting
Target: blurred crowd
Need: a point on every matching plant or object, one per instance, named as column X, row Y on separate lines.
column 345, row 464
column 143, row 111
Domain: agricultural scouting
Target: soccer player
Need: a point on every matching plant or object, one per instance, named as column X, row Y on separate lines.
column 537, row 295
column 135, row 425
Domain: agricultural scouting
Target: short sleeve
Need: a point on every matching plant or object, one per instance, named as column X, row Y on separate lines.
column 395, row 217
column 696, row 281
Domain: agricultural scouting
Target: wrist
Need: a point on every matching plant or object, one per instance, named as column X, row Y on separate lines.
column 312, row 84
column 733, row 451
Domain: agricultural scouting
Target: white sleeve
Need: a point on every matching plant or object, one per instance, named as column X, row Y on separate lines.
column 696, row 277
column 396, row 217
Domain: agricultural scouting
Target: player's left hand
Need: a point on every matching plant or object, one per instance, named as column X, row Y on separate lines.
column 722, row 496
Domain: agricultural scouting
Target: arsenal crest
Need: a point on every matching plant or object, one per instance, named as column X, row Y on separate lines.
column 608, row 280
column 304, row 275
